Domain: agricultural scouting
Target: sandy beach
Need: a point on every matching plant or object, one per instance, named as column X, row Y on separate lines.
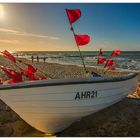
column 121, row 119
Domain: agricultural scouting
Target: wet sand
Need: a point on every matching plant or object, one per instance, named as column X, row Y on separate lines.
column 121, row 119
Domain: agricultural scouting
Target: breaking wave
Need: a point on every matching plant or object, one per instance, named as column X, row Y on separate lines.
column 127, row 60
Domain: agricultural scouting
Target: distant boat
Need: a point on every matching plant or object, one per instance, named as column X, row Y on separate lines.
column 53, row 105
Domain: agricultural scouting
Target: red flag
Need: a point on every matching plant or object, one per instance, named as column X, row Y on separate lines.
column 13, row 75
column 29, row 74
column 101, row 60
column 82, row 39
column 9, row 56
column 31, row 69
column 100, row 52
column 116, row 53
column 73, row 15
column 110, row 63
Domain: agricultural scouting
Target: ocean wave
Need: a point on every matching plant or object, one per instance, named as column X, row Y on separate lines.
column 128, row 60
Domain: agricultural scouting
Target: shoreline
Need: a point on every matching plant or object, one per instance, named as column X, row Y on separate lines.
column 87, row 66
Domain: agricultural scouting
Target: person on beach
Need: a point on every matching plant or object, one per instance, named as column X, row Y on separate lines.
column 32, row 57
column 37, row 59
column 44, row 59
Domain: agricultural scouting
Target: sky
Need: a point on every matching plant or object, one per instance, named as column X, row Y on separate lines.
column 45, row 27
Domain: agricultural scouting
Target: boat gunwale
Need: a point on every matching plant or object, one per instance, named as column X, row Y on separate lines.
column 67, row 81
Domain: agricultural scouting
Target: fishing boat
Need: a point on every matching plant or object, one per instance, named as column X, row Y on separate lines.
column 53, row 105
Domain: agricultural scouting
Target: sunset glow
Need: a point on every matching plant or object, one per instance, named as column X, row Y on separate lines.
column 2, row 12
column 45, row 27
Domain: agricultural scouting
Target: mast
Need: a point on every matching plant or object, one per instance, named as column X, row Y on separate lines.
column 72, row 29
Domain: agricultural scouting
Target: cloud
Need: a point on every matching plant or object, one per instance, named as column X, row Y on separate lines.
column 26, row 34
column 10, row 41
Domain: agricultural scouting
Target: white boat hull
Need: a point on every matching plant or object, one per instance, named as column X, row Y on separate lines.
column 53, row 108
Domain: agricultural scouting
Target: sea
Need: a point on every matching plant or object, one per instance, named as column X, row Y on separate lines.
column 129, row 60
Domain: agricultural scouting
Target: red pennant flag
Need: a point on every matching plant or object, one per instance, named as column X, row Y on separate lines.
column 110, row 63
column 9, row 56
column 31, row 69
column 101, row 60
column 116, row 53
column 26, row 72
column 82, row 39
column 100, row 52
column 13, row 75
column 29, row 74
column 73, row 15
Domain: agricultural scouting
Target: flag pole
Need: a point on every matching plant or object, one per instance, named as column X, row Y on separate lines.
column 72, row 29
